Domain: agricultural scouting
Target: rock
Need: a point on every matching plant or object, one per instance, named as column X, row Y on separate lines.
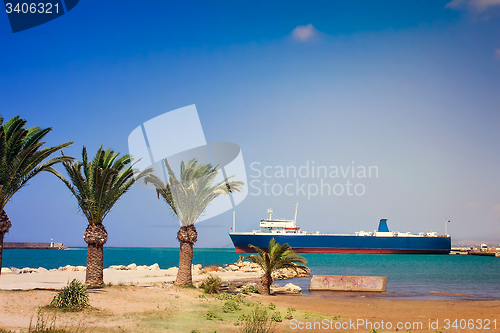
column 233, row 267
column 154, row 267
column 66, row 268
column 288, row 288
column 6, row 270
column 15, row 270
column 292, row 288
column 142, row 268
column 288, row 273
column 42, row 270
column 172, row 271
column 53, row 270
column 118, row 267
column 80, row 268
column 132, row 267
column 198, row 266
column 26, row 270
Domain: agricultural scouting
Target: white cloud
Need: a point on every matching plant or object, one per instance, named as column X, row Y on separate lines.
column 304, row 33
column 477, row 6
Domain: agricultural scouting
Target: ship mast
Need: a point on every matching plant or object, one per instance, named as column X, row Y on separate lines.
column 296, row 209
column 234, row 221
column 270, row 211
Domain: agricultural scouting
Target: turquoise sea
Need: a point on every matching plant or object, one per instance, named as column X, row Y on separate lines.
column 408, row 276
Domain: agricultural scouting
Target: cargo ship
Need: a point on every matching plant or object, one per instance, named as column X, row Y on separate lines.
column 380, row 241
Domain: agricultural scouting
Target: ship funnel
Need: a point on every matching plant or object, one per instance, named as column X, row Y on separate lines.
column 382, row 226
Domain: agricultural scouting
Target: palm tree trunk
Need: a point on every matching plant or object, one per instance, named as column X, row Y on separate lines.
column 265, row 284
column 187, row 236
column 184, row 275
column 4, row 228
column 95, row 258
column 95, row 236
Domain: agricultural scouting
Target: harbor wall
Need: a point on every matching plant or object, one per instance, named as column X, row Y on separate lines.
column 21, row 245
column 348, row 283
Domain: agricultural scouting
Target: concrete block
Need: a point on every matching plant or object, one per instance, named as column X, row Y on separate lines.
column 348, row 283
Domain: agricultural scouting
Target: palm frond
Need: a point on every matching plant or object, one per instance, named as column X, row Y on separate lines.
column 190, row 193
column 22, row 156
column 277, row 256
column 99, row 183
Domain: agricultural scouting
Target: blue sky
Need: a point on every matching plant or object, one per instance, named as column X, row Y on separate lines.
column 408, row 86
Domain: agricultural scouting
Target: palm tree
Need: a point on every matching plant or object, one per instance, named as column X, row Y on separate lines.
column 278, row 256
column 21, row 158
column 97, row 185
column 188, row 197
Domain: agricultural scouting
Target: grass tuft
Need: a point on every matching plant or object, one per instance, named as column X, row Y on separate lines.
column 250, row 290
column 258, row 321
column 230, row 306
column 211, row 285
column 72, row 297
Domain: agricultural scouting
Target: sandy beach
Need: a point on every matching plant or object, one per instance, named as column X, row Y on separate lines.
column 147, row 301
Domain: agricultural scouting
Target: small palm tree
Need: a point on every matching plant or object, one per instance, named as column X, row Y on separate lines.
column 188, row 197
column 278, row 256
column 21, row 158
column 97, row 185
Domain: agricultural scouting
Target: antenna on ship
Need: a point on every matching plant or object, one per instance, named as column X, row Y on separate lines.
column 296, row 209
column 270, row 211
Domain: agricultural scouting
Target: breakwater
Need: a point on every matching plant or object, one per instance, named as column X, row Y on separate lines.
column 20, row 245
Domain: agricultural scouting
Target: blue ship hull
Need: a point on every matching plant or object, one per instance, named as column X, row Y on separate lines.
column 310, row 243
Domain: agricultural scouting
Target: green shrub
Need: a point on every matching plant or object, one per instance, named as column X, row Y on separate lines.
column 239, row 298
column 271, row 306
column 258, row 321
column 211, row 285
column 224, row 296
column 210, row 315
column 74, row 296
column 289, row 313
column 250, row 290
column 230, row 306
column 276, row 317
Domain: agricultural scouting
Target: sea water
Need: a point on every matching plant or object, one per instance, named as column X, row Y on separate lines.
column 408, row 276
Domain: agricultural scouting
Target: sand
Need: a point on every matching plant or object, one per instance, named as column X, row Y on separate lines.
column 155, row 306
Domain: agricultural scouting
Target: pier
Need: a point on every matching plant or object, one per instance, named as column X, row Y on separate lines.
column 483, row 253
column 19, row 245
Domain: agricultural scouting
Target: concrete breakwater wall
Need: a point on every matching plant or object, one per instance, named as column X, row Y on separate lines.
column 348, row 283
column 20, row 245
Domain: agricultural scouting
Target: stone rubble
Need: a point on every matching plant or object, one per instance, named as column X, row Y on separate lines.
column 240, row 266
